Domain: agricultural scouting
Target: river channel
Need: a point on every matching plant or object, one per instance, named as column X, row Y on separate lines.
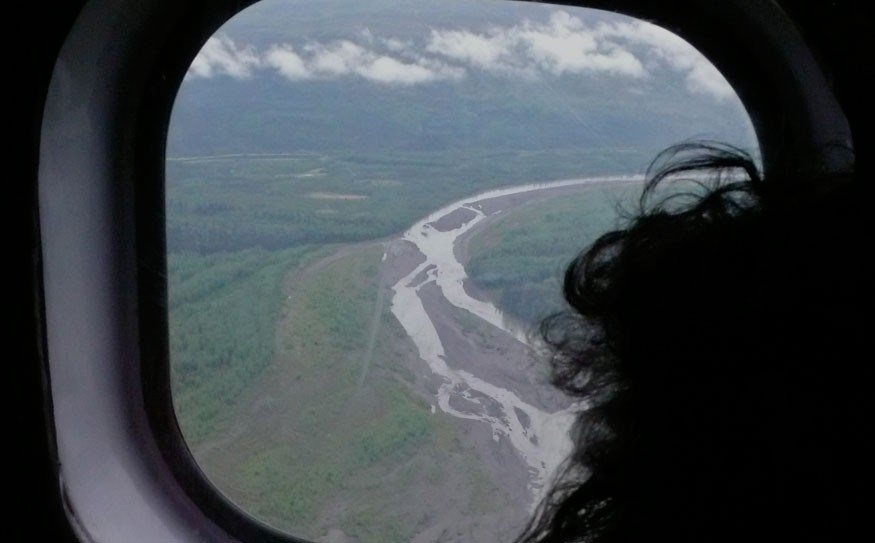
column 540, row 437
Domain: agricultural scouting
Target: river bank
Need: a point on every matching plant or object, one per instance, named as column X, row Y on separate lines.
column 485, row 369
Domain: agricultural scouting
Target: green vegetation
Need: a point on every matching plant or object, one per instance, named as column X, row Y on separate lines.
column 331, row 313
column 288, row 484
column 234, row 203
column 520, row 259
column 375, row 525
column 290, row 404
column 331, row 426
column 483, row 488
column 223, row 313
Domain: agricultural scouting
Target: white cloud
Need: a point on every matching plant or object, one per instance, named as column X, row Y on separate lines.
column 345, row 58
column 221, row 56
column 704, row 78
column 566, row 45
column 336, row 58
column 388, row 70
column 562, row 45
column 394, row 44
column 287, row 62
column 488, row 51
column 700, row 75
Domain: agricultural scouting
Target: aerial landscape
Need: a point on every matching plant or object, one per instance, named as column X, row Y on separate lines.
column 369, row 207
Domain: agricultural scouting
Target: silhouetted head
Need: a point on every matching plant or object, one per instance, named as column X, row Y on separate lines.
column 717, row 339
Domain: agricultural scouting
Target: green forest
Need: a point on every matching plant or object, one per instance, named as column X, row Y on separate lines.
column 521, row 258
column 223, row 310
column 283, row 201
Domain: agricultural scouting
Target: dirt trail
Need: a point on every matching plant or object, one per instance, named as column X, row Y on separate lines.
column 374, row 328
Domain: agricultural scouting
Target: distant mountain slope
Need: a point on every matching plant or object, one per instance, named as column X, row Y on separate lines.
column 287, row 76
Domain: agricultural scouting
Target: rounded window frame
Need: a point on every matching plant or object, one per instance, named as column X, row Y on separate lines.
column 101, row 200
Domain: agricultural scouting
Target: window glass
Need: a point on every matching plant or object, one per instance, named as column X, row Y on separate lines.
column 369, row 206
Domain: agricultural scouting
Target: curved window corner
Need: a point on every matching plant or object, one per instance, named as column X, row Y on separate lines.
column 291, row 263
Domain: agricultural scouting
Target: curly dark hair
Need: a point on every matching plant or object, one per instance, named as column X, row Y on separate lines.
column 710, row 341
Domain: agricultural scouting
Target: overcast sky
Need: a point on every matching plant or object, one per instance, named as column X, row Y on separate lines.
column 559, row 45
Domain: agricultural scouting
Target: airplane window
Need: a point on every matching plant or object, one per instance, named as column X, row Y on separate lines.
column 369, row 206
